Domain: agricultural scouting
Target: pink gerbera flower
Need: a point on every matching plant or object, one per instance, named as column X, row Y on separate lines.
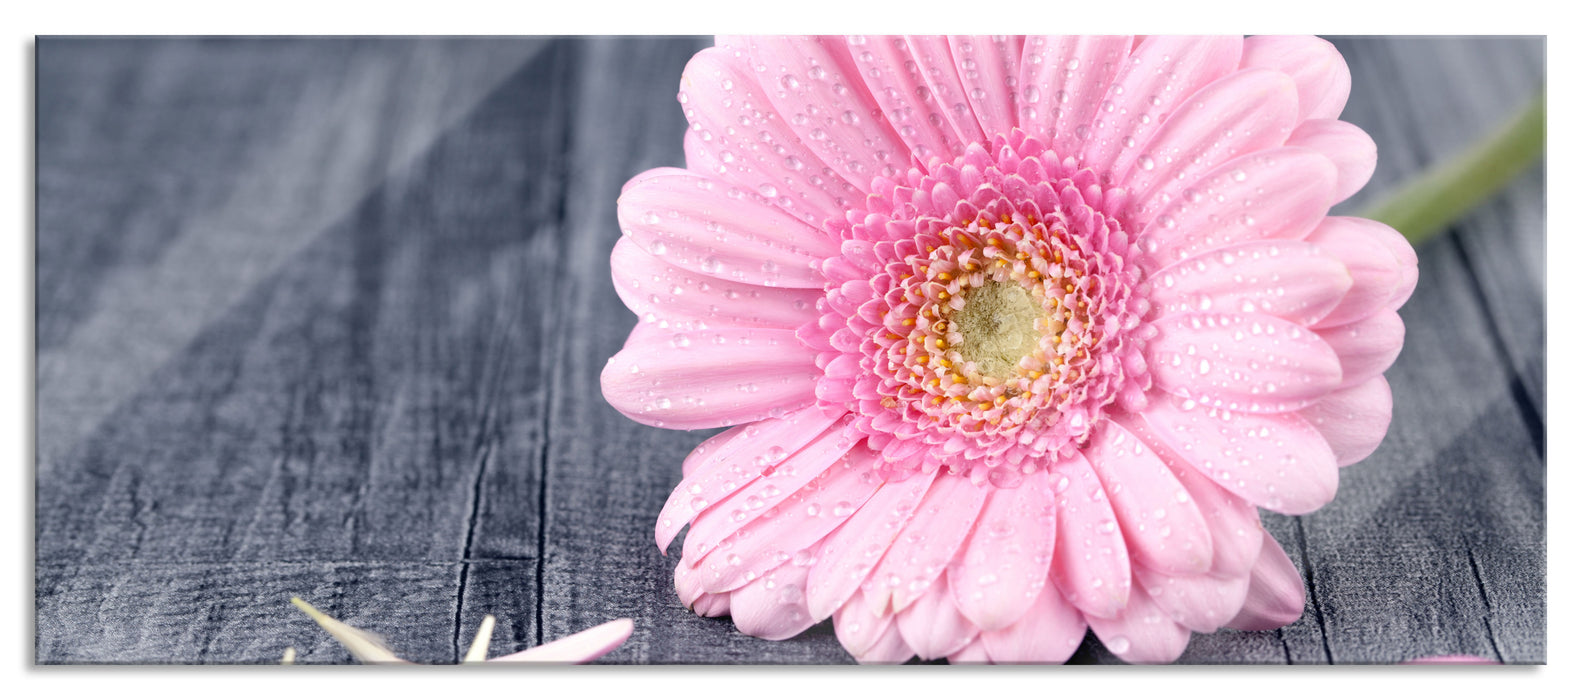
column 1017, row 335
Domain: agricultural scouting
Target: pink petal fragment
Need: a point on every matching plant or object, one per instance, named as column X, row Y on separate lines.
column 706, row 225
column 1047, row 633
column 1162, row 72
column 777, row 477
column 1249, row 363
column 722, row 467
column 656, row 290
column 852, row 551
column 1353, row 420
column 1163, row 528
column 772, row 606
column 984, row 63
column 1090, row 568
column 1142, row 633
column 1277, row 461
column 1347, row 146
column 578, row 648
column 1293, row 280
column 932, row 626
column 1368, row 248
column 898, row 85
column 1242, row 113
column 1323, row 82
column 927, row 544
column 1366, row 348
column 939, row 70
column 1276, row 594
column 784, row 532
column 1201, row 603
column 722, row 99
column 1063, row 80
column 1280, row 193
column 1005, row 562
column 816, row 86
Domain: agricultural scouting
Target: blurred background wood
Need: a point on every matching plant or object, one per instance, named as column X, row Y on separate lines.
column 325, row 318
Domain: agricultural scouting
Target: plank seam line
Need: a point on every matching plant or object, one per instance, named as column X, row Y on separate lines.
column 1488, row 608
column 1312, row 592
column 554, row 344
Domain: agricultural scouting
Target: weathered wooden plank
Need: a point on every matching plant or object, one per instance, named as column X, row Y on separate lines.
column 239, row 613
column 367, row 399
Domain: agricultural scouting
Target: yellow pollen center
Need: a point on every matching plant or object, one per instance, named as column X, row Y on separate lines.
column 999, row 325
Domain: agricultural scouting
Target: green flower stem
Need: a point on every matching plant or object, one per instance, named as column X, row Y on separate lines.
column 1422, row 207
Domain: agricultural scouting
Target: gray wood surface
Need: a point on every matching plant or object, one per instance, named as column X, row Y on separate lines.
column 326, row 317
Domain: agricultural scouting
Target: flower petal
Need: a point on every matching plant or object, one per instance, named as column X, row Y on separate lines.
column 1090, row 567
column 1353, row 420
column 578, row 648
column 1163, row 528
column 1232, row 522
column 1242, row 113
column 689, row 588
column 1293, row 280
column 1347, row 146
column 932, row 626
column 1279, row 193
column 1278, row 461
column 973, row 653
column 752, row 146
column 703, row 224
column 897, row 84
column 773, row 606
column 783, row 533
column 1142, row 633
column 1162, row 72
column 988, row 67
column 1323, row 82
column 933, row 55
column 1047, row 633
column 775, row 479
column 851, row 552
column 891, row 648
column 1368, row 248
column 1201, row 603
column 721, row 467
column 723, row 376
column 1276, row 593
column 1366, row 348
column 858, row 629
column 1063, row 79
column 816, row 86
column 1245, row 362
column 1005, row 562
column 926, row 544
column 656, row 290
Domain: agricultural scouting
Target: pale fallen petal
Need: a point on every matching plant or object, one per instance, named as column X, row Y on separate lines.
column 581, row 647
column 365, row 646
column 479, row 651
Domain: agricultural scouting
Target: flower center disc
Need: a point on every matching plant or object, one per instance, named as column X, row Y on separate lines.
column 1000, row 323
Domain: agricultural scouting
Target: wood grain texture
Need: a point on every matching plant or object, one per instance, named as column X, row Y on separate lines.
column 326, row 318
